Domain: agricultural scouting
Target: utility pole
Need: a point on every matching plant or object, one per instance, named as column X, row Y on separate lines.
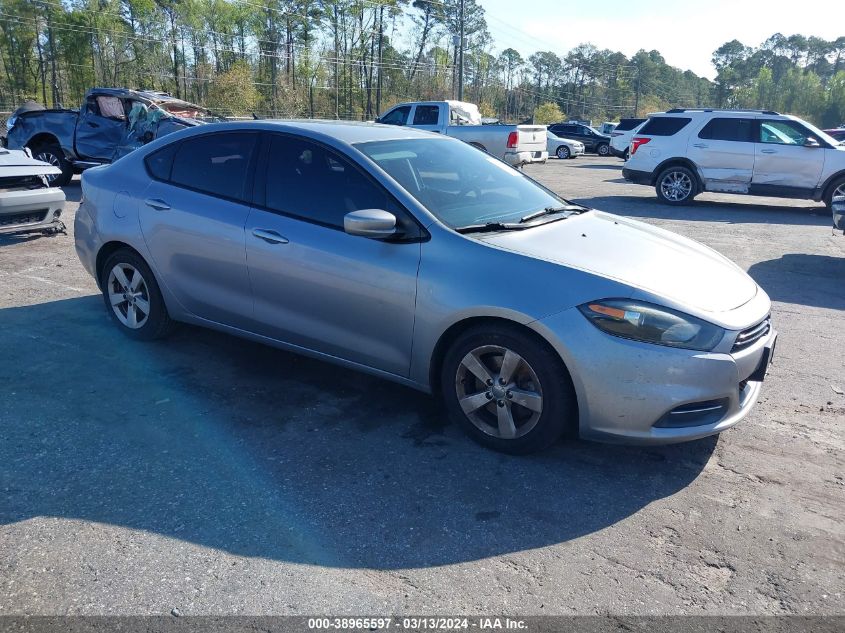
column 380, row 39
column 637, row 97
column 461, row 55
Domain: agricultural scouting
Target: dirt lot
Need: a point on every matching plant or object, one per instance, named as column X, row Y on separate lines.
column 215, row 476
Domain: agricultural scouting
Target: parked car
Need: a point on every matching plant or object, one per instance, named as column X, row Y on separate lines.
column 517, row 145
column 110, row 123
column 620, row 138
column 837, row 133
column 684, row 152
column 563, row 147
column 593, row 140
column 27, row 203
column 419, row 259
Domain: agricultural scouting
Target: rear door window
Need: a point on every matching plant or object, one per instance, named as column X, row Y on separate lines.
column 727, row 129
column 426, row 115
column 216, row 164
column 664, row 125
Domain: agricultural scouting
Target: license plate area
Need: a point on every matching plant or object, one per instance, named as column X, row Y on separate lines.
column 768, row 356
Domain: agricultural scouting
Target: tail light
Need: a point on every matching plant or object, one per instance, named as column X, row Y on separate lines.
column 513, row 137
column 638, row 140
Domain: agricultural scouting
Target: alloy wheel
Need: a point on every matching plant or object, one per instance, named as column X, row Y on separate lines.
column 676, row 186
column 563, row 151
column 499, row 392
column 52, row 159
column 129, row 296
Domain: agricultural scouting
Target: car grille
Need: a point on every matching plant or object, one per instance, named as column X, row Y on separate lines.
column 751, row 335
column 30, row 217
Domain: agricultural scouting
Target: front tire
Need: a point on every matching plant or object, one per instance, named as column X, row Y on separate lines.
column 54, row 155
column 133, row 298
column 603, row 149
column 507, row 390
column 676, row 185
column 563, row 152
column 836, row 189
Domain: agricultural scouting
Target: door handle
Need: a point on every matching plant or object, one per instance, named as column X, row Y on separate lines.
column 768, row 151
column 700, row 145
column 271, row 237
column 158, row 205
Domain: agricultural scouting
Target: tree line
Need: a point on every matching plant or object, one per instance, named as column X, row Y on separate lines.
column 352, row 59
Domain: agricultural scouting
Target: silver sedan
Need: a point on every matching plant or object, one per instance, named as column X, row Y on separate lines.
column 419, row 259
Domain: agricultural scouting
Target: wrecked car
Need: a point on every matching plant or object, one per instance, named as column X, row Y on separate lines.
column 110, row 123
column 28, row 204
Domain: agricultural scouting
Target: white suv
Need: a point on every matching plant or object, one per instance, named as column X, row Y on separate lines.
column 684, row 152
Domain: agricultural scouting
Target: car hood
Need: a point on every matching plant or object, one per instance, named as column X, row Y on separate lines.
column 15, row 163
column 638, row 255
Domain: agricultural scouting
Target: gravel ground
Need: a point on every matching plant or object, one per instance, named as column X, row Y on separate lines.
column 215, row 476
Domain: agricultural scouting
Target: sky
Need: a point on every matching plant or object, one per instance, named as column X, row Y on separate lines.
column 685, row 33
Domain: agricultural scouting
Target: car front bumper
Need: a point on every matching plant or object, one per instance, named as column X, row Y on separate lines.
column 515, row 159
column 640, row 393
column 31, row 210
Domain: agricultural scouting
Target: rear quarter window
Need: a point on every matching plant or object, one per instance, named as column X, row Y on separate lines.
column 664, row 125
column 160, row 162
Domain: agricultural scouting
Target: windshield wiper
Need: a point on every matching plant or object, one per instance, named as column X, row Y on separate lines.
column 571, row 208
column 489, row 227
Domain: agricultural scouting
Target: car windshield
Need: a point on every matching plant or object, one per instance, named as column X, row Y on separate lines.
column 459, row 184
column 821, row 135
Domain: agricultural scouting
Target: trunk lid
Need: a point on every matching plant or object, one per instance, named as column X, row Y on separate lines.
column 531, row 138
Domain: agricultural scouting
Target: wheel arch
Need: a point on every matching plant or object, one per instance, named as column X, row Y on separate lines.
column 677, row 162
column 448, row 337
column 828, row 184
column 44, row 138
column 106, row 251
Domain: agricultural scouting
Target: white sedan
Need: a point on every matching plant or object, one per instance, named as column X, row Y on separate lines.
column 563, row 147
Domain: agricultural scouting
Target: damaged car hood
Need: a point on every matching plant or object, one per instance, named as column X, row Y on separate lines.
column 15, row 163
column 638, row 255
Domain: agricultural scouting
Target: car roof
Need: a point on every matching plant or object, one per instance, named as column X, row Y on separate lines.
column 346, row 132
column 352, row 131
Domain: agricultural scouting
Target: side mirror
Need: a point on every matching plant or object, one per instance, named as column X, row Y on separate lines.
column 373, row 223
column 811, row 142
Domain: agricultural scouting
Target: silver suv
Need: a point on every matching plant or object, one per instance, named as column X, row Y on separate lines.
column 684, row 152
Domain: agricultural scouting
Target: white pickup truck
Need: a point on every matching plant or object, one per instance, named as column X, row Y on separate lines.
column 515, row 144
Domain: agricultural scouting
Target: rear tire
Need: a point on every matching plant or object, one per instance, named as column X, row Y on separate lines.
column 603, row 149
column 527, row 412
column 563, row 152
column 626, row 154
column 676, row 185
column 133, row 298
column 53, row 154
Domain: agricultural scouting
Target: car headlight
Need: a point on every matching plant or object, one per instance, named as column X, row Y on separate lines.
column 650, row 323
